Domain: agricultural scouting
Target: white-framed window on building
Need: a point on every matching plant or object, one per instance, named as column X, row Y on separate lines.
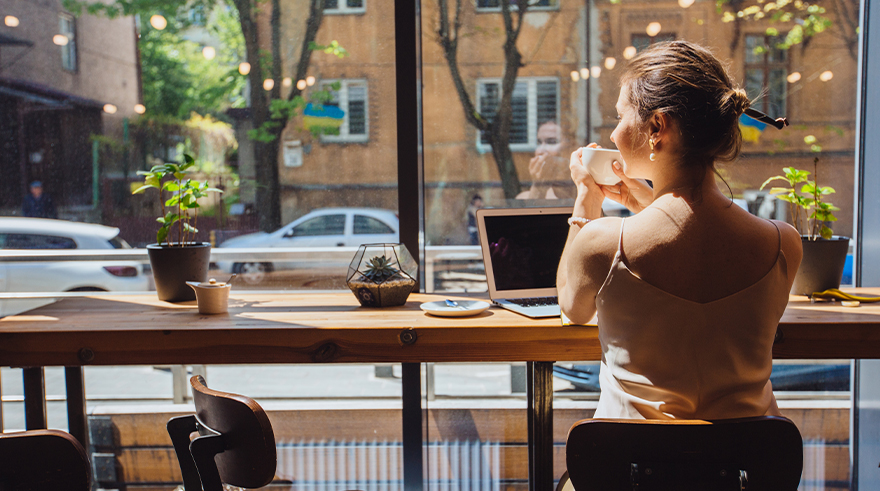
column 67, row 28
column 642, row 41
column 352, row 100
column 495, row 5
column 345, row 6
column 766, row 69
column 535, row 101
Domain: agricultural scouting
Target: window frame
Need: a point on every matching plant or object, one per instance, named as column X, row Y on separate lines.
column 69, row 58
column 531, row 115
column 766, row 68
column 343, row 9
column 554, row 5
column 344, row 136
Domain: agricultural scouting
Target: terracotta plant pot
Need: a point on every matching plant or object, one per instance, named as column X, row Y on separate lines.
column 822, row 265
column 174, row 266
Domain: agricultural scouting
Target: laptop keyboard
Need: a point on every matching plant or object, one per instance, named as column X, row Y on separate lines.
column 534, row 301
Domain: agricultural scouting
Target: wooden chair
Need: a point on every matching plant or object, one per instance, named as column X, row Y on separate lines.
column 762, row 453
column 43, row 460
column 235, row 443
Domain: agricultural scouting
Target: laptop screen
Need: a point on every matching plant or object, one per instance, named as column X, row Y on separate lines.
column 525, row 248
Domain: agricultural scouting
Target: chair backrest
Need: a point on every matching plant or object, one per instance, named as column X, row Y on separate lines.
column 762, row 453
column 236, row 444
column 43, row 460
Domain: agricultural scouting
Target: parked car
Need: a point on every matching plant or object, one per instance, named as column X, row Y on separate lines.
column 794, row 377
column 325, row 227
column 63, row 276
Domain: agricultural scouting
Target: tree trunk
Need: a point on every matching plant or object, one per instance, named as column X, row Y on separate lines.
column 267, row 150
column 498, row 130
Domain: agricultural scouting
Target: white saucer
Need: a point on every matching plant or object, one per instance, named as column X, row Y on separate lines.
column 464, row 308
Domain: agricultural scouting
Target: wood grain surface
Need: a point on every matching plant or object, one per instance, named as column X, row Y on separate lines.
column 124, row 329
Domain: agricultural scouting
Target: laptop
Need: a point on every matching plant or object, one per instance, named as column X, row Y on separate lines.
column 521, row 250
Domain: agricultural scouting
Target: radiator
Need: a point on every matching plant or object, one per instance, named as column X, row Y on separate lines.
column 378, row 465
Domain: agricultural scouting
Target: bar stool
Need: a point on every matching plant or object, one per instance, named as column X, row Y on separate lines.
column 760, row 453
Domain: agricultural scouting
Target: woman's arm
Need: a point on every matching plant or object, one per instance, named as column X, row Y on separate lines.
column 585, row 256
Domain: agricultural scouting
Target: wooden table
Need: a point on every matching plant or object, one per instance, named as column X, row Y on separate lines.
column 120, row 329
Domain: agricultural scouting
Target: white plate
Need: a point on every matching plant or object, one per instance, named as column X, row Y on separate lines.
column 464, row 308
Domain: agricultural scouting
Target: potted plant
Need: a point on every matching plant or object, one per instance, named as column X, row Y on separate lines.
column 382, row 275
column 824, row 253
column 174, row 262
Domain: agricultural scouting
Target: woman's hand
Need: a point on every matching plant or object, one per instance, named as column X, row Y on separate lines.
column 635, row 194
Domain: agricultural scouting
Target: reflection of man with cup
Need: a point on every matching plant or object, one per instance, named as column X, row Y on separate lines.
column 548, row 168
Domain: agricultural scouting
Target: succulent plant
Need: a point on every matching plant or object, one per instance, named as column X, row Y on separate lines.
column 380, row 269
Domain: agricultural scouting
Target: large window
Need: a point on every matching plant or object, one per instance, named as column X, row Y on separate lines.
column 67, row 41
column 535, row 101
column 351, row 101
column 766, row 70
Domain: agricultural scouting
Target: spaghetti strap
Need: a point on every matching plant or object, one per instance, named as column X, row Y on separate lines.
column 778, row 235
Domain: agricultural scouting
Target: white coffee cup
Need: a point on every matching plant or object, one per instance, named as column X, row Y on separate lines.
column 598, row 163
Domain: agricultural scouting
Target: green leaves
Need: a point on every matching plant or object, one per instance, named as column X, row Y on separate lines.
column 807, row 200
column 185, row 193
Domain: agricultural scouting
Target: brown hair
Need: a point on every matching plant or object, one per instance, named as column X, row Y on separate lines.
column 687, row 82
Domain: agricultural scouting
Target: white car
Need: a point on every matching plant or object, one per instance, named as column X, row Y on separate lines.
column 65, row 276
column 324, row 227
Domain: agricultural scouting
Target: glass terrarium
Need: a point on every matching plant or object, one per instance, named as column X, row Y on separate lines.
column 382, row 275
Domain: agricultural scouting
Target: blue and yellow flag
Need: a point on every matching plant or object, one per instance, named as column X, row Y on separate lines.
column 751, row 129
column 324, row 116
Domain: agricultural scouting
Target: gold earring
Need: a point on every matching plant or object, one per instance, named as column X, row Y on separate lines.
column 653, row 156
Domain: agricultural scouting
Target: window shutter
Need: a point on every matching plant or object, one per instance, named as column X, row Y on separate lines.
column 357, row 110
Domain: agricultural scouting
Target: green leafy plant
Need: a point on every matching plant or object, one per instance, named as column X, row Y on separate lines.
column 808, row 208
column 182, row 207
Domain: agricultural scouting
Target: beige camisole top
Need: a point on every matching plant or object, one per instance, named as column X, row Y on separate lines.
column 665, row 357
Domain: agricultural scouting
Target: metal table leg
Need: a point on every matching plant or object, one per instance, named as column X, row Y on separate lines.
column 540, row 425
column 411, row 381
column 77, row 422
column 34, row 380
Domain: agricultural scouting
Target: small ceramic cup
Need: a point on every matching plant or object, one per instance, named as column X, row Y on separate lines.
column 598, row 162
column 212, row 297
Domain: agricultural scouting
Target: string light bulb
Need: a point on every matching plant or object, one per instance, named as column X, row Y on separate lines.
column 575, row 76
column 793, row 77
column 301, row 84
column 653, row 29
column 310, row 80
column 610, row 63
column 585, row 73
column 268, row 84
column 140, row 108
column 60, row 39
column 109, row 109
column 286, row 82
column 11, row 21
column 244, row 68
column 158, row 22
column 209, row 52
column 629, row 52
column 826, row 76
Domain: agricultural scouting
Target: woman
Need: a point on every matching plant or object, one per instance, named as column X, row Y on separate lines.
column 548, row 167
column 688, row 291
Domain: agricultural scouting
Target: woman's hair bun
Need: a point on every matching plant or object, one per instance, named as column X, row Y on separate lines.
column 737, row 99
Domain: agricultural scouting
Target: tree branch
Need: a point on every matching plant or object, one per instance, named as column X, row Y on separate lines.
column 448, row 40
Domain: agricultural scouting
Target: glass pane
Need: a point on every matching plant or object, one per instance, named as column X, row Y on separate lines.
column 325, row 225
